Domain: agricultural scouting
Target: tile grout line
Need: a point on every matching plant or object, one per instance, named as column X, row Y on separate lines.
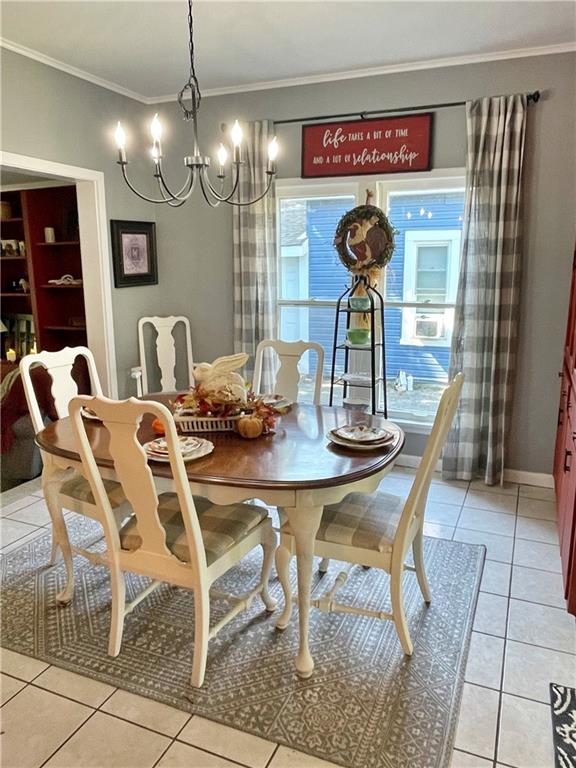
column 523, row 642
column 272, row 756
column 177, row 739
column 503, row 672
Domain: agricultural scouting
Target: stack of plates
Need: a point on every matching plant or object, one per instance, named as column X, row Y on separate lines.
column 277, row 402
column 191, row 448
column 361, row 437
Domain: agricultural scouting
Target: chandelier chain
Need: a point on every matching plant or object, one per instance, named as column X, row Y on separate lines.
column 192, row 83
column 196, row 163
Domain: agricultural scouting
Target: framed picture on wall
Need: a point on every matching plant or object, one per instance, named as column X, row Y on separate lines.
column 134, row 253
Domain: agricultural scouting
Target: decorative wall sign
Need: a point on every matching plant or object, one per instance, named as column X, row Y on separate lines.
column 134, row 253
column 359, row 147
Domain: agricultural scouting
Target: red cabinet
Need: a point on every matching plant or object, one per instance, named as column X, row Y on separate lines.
column 565, row 456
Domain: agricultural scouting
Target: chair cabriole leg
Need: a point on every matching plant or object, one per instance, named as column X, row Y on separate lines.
column 398, row 611
column 118, row 610
column 201, row 635
column 283, row 557
column 420, row 568
column 269, row 544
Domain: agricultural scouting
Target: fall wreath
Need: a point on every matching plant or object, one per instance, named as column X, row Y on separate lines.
column 364, row 239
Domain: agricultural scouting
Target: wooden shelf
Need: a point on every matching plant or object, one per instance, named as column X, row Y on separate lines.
column 12, row 258
column 13, row 218
column 52, row 287
column 58, row 242
column 51, row 308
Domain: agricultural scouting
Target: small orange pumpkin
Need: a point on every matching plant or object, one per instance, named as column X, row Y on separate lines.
column 158, row 427
column 250, row 426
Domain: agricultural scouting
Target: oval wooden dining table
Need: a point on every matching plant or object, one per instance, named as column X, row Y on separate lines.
column 295, row 468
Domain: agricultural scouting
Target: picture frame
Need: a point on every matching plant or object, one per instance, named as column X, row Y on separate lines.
column 134, row 253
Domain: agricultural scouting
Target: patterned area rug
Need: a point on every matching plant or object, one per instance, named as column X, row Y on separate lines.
column 563, row 703
column 366, row 706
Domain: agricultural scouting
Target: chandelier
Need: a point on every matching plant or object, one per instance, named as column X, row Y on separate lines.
column 196, row 163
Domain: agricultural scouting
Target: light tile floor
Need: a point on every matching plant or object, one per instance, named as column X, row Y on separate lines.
column 523, row 639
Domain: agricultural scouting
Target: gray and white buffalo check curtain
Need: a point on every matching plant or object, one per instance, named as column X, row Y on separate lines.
column 486, row 318
column 255, row 248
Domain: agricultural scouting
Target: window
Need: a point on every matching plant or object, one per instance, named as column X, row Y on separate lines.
column 421, row 279
column 431, row 264
column 311, row 276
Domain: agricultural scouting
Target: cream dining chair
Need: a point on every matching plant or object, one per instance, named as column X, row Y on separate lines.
column 166, row 353
column 71, row 491
column 287, row 378
column 174, row 538
column 377, row 531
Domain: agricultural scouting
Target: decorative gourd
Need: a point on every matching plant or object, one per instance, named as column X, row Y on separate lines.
column 250, row 426
column 158, row 427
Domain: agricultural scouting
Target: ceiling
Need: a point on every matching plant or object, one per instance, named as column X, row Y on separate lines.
column 141, row 48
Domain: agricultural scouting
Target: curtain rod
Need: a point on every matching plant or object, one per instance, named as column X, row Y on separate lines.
column 534, row 96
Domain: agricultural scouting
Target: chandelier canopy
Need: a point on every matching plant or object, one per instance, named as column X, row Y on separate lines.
column 196, row 163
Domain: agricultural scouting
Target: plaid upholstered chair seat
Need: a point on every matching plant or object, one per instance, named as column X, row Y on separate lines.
column 221, row 527
column 78, row 488
column 367, row 522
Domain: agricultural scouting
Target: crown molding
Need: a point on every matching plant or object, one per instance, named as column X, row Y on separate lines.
column 42, row 58
column 265, row 85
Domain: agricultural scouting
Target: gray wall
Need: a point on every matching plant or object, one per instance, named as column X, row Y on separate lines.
column 550, row 202
column 54, row 116
column 65, row 119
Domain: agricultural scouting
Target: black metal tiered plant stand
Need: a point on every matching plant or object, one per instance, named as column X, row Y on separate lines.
column 376, row 347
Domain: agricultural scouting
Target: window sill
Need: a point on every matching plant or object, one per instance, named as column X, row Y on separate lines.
column 412, row 427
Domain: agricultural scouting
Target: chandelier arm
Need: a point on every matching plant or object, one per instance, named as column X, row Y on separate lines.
column 241, row 203
column 172, row 202
column 188, row 185
column 212, row 203
column 218, row 195
column 136, row 192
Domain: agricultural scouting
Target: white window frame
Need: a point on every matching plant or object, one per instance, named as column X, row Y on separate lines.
column 298, row 189
column 413, row 240
column 438, row 180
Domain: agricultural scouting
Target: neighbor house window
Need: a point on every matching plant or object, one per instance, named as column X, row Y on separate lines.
column 420, row 286
column 431, row 263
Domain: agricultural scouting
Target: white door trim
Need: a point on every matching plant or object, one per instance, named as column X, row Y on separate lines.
column 96, row 267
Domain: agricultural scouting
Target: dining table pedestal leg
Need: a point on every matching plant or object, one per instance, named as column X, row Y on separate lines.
column 304, row 523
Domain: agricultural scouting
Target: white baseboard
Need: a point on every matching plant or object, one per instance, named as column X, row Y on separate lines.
column 413, row 462
column 540, row 479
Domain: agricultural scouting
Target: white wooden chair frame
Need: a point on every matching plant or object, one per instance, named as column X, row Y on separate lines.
column 153, row 558
column 288, row 376
column 165, row 353
column 59, row 367
column 392, row 560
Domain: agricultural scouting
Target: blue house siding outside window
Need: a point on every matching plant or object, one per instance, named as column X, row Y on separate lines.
column 428, row 223
column 428, row 363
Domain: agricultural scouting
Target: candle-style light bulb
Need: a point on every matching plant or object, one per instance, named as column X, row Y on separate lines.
column 155, row 152
column 222, row 155
column 156, row 128
column 120, row 136
column 236, row 134
column 273, row 149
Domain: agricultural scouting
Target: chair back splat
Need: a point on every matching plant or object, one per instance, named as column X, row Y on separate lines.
column 122, row 420
column 59, row 366
column 289, row 354
column 165, row 347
